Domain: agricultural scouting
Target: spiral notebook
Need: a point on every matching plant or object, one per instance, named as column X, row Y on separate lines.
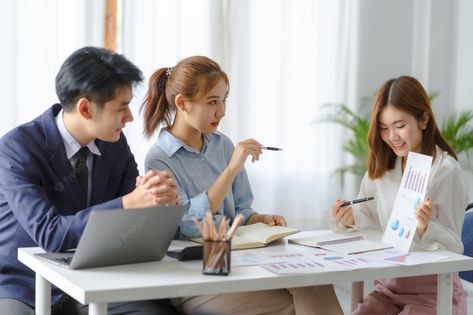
column 341, row 243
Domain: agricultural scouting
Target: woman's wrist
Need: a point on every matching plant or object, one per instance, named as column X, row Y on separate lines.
column 255, row 218
column 421, row 231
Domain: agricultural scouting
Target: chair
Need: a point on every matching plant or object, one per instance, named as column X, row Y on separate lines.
column 467, row 239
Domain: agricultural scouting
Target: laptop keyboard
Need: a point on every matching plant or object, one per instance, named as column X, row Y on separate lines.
column 64, row 260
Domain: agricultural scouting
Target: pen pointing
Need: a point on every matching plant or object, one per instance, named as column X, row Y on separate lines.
column 270, row 148
column 355, row 201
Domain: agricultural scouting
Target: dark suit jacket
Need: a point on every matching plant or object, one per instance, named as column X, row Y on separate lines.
column 41, row 203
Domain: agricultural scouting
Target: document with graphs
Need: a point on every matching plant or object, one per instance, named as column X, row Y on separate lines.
column 402, row 223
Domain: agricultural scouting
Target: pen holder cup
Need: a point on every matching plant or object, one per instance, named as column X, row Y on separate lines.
column 216, row 257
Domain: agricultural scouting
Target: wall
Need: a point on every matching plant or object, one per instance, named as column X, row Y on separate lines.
column 431, row 40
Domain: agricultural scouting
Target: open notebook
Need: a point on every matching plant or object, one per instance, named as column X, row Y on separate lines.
column 341, row 243
column 256, row 235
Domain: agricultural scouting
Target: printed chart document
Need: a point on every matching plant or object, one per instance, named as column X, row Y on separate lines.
column 258, row 256
column 402, row 224
column 341, row 243
column 399, row 257
column 256, row 235
column 328, row 261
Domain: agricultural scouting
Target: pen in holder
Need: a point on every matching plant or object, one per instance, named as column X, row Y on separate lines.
column 217, row 257
column 217, row 244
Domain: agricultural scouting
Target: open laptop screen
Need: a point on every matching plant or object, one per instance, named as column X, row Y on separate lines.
column 115, row 237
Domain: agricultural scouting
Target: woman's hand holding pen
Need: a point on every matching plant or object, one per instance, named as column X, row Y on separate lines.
column 242, row 150
column 342, row 214
column 424, row 214
column 220, row 187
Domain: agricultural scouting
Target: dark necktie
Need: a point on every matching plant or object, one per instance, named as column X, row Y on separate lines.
column 82, row 172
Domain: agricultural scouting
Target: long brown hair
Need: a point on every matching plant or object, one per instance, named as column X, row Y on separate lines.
column 407, row 94
column 192, row 77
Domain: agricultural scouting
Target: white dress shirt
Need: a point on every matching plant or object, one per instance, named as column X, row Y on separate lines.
column 447, row 190
column 72, row 146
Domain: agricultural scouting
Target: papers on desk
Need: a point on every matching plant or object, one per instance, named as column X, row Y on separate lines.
column 399, row 257
column 300, row 260
column 352, row 243
column 257, row 257
column 329, row 261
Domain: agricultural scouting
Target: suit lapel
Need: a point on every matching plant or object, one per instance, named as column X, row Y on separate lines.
column 58, row 159
column 100, row 172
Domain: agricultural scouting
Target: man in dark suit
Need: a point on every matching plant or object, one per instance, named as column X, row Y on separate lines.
column 71, row 160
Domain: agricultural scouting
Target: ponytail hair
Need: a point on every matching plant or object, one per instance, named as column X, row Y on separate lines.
column 156, row 108
column 192, row 77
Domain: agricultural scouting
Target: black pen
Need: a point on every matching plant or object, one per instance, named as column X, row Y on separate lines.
column 270, row 148
column 355, row 201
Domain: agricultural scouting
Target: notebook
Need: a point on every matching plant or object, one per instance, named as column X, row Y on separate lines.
column 116, row 237
column 256, row 235
column 341, row 243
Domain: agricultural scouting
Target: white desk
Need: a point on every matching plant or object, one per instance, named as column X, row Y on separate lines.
column 170, row 278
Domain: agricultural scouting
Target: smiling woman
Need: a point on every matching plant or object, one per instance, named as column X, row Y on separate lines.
column 402, row 120
column 401, row 131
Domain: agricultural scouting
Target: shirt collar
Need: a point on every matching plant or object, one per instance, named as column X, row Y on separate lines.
column 70, row 144
column 171, row 144
column 439, row 156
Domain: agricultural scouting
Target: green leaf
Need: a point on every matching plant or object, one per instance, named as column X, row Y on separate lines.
column 458, row 131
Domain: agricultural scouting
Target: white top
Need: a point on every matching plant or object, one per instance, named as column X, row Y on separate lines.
column 447, row 190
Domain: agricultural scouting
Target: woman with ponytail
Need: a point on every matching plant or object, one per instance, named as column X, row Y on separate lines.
column 188, row 101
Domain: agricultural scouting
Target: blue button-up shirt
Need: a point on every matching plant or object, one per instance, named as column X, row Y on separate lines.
column 195, row 172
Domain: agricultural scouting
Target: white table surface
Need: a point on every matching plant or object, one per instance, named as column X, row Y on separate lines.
column 171, row 278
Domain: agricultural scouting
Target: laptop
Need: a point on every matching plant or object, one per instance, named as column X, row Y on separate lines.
column 116, row 237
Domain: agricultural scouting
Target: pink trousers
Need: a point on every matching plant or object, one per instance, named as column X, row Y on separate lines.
column 410, row 295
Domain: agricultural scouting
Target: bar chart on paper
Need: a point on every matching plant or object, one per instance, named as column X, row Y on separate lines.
column 415, row 180
column 402, row 223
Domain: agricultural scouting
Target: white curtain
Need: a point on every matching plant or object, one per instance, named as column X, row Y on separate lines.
column 285, row 59
column 36, row 37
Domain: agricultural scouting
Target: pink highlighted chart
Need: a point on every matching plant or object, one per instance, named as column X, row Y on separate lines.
column 415, row 180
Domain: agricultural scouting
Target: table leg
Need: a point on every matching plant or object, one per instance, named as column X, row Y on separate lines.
column 357, row 294
column 42, row 296
column 444, row 293
column 98, row 309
